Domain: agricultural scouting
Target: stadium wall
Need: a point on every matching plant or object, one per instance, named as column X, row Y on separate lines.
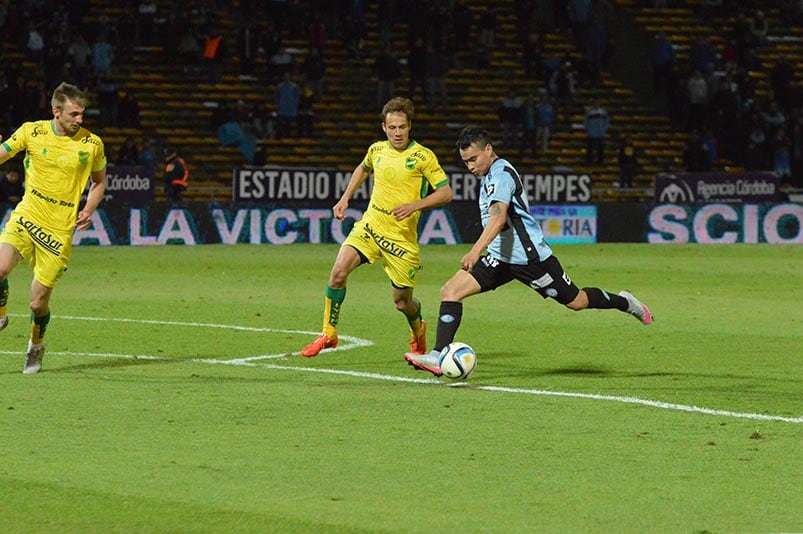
column 286, row 223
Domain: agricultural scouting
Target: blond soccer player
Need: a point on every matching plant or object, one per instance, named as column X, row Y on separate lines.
column 407, row 180
column 60, row 156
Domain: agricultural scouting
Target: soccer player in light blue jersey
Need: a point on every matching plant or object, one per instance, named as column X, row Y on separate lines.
column 510, row 247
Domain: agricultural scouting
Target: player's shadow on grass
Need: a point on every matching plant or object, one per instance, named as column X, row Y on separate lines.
column 501, row 362
column 501, row 368
column 575, row 370
column 107, row 363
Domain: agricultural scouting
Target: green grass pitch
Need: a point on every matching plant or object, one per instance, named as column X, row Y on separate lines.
column 173, row 398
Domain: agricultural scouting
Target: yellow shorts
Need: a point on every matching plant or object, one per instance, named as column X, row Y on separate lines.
column 49, row 252
column 400, row 259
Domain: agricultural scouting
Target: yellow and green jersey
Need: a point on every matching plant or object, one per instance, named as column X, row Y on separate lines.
column 400, row 177
column 57, row 168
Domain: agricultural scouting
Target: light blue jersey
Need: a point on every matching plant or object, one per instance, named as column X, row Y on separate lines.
column 521, row 239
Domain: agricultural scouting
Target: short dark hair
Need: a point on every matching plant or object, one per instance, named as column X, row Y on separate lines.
column 473, row 135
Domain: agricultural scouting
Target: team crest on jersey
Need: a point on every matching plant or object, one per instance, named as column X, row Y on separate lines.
column 83, row 157
column 489, row 189
column 410, row 164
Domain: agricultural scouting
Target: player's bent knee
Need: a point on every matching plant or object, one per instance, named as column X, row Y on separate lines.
column 338, row 277
column 5, row 269
column 404, row 302
column 39, row 308
column 579, row 303
column 447, row 294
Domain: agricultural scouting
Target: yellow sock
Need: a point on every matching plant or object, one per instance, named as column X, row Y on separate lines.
column 331, row 311
column 416, row 322
column 38, row 327
column 3, row 297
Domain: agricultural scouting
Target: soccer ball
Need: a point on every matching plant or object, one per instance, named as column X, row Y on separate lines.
column 457, row 360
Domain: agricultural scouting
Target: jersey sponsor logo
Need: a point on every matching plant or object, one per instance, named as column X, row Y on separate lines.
column 381, row 210
column 52, row 200
column 41, row 236
column 37, row 131
column 488, row 261
column 91, row 140
column 418, row 155
column 544, row 281
column 386, row 244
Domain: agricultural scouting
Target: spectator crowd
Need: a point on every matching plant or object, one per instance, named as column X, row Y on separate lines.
column 708, row 91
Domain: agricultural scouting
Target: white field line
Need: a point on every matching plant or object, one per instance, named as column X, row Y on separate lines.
column 353, row 342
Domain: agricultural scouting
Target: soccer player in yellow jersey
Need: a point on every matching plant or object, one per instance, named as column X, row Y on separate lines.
column 404, row 172
column 60, row 157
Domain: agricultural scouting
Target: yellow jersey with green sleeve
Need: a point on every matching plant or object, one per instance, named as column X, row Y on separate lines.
column 400, row 177
column 57, row 168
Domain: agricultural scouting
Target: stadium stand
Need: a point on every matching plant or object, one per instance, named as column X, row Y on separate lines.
column 757, row 48
column 181, row 106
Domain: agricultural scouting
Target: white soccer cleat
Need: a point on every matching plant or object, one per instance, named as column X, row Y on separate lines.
column 4, row 322
column 636, row 308
column 33, row 358
column 425, row 362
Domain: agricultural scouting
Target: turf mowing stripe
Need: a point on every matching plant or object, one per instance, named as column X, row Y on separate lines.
column 543, row 392
column 249, row 362
column 353, row 342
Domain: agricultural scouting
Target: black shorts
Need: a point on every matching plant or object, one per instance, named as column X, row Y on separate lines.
column 546, row 277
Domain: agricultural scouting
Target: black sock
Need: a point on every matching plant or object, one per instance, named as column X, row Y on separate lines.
column 449, row 317
column 600, row 299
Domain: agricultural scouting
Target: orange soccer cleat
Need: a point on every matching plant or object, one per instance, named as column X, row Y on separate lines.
column 321, row 342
